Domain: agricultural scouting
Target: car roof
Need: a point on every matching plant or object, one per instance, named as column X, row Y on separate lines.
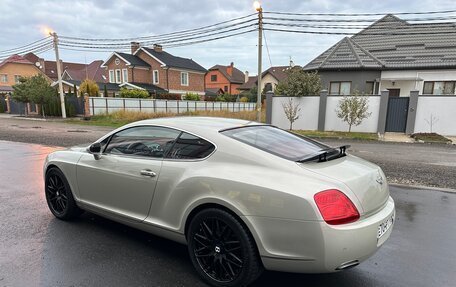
column 195, row 124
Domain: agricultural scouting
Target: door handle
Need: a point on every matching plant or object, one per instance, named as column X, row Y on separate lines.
column 148, row 172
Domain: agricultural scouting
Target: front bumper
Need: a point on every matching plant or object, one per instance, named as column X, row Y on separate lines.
column 316, row 247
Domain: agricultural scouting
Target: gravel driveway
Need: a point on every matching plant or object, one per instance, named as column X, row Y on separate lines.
column 413, row 164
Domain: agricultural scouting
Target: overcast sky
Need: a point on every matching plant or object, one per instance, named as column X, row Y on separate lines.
column 22, row 22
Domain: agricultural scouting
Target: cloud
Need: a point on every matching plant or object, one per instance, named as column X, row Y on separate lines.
column 21, row 21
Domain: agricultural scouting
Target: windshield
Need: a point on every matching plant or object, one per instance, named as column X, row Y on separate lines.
column 276, row 141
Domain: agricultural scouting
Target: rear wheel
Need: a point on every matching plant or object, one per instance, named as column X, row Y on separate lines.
column 222, row 250
column 59, row 196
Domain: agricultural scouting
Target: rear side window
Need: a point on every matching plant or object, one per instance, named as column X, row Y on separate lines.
column 188, row 146
column 276, row 141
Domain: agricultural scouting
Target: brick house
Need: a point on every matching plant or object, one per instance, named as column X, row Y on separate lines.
column 226, row 78
column 155, row 70
column 11, row 70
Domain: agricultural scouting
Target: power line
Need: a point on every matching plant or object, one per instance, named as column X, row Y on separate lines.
column 25, row 51
column 352, row 33
column 360, row 14
column 160, row 35
column 354, row 20
column 25, row 46
column 267, row 48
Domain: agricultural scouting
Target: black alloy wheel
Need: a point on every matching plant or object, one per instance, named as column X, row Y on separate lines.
column 222, row 250
column 58, row 195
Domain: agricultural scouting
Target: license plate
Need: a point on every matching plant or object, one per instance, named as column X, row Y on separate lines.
column 384, row 227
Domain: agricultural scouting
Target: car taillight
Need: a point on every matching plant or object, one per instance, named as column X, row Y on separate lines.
column 335, row 207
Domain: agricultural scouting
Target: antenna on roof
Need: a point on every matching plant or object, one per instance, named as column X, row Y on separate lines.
column 291, row 63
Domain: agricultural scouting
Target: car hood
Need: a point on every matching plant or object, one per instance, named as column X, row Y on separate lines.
column 364, row 179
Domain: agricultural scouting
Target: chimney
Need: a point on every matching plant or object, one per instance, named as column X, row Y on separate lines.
column 229, row 69
column 41, row 61
column 158, row 48
column 134, row 47
column 246, row 76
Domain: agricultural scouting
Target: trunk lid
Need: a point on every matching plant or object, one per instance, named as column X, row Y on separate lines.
column 364, row 179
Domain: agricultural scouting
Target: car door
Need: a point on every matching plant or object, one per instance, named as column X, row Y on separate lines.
column 123, row 179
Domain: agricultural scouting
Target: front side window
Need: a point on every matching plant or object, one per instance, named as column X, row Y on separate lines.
column 276, row 141
column 188, row 146
column 184, row 78
column 150, row 142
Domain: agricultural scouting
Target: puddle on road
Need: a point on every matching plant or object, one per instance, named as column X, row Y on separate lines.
column 77, row 131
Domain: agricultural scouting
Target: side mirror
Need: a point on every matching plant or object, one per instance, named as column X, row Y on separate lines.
column 95, row 149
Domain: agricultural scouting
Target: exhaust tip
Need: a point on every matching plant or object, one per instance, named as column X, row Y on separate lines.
column 348, row 265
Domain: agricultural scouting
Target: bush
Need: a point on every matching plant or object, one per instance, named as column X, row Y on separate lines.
column 168, row 97
column 134, row 93
column 192, row 97
column 244, row 100
column 90, row 87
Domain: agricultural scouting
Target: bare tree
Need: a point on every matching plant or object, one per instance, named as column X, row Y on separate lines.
column 353, row 110
column 291, row 110
column 432, row 121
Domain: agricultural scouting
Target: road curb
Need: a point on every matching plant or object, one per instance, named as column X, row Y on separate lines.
column 441, row 189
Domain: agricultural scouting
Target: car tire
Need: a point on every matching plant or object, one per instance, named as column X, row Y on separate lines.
column 59, row 197
column 222, row 249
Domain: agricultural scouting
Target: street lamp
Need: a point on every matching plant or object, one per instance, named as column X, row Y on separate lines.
column 259, row 9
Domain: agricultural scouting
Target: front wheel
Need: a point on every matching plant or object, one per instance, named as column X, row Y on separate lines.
column 222, row 250
column 59, row 196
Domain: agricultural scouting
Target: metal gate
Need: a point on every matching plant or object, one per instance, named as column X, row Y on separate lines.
column 396, row 118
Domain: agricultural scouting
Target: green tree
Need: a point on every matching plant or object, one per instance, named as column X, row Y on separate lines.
column 34, row 89
column 299, row 83
column 133, row 93
column 353, row 109
column 90, row 87
column 105, row 91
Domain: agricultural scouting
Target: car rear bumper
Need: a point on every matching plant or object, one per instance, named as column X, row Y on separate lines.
column 316, row 247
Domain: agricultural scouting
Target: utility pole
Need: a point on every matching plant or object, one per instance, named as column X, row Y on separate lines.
column 59, row 72
column 258, row 7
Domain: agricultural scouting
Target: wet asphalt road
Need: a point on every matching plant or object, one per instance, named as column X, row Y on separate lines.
column 38, row 250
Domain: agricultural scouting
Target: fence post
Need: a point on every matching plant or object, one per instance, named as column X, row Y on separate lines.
column 178, row 104
column 196, row 107
column 93, row 107
column 106, row 103
column 383, row 109
column 322, row 110
column 124, row 104
column 411, row 115
column 166, row 106
column 140, row 101
column 205, row 105
column 187, row 107
column 155, row 106
column 269, row 95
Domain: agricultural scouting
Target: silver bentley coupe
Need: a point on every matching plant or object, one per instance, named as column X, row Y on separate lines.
column 243, row 196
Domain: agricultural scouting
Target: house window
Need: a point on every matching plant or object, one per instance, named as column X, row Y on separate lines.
column 3, row 78
column 213, row 78
column 225, row 88
column 111, row 76
column 184, row 78
column 118, row 80
column 439, row 88
column 339, row 88
column 155, row 77
column 17, row 79
column 125, row 75
column 370, row 88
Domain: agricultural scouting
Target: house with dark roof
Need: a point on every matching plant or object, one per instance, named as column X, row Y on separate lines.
column 70, row 70
column 269, row 79
column 227, row 78
column 155, row 70
column 391, row 54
